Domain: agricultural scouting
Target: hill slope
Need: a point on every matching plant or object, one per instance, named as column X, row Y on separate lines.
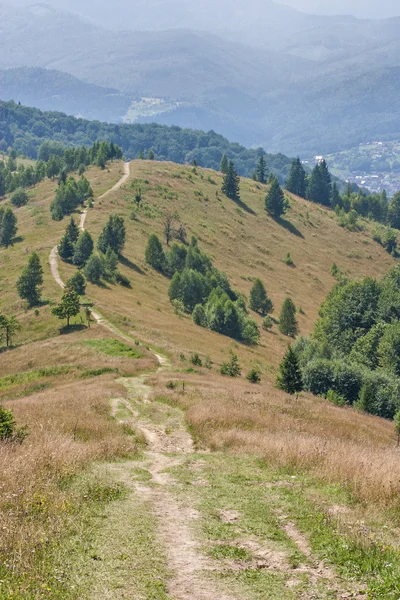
column 285, row 488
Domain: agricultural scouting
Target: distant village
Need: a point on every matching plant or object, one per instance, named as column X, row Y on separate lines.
column 372, row 165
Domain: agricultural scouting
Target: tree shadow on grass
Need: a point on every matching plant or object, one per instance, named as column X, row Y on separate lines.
column 73, row 328
column 244, row 207
column 128, row 263
column 288, row 226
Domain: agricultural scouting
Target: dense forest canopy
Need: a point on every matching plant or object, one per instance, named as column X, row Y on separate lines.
column 25, row 129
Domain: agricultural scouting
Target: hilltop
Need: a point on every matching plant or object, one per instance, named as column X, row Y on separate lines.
column 262, row 494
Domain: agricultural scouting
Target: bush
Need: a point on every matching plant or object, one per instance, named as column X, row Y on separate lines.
column 288, row 260
column 77, row 283
column 318, row 377
column 199, row 315
column 336, row 398
column 9, row 432
column 196, row 360
column 231, row 368
column 267, row 323
column 94, row 269
column 253, row 376
column 19, row 197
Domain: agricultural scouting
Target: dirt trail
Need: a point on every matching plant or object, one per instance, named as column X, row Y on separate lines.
column 168, row 443
column 53, row 259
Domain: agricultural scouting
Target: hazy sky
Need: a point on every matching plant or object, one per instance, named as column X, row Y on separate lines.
column 360, row 8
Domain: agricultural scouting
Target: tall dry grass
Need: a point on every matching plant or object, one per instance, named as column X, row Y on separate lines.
column 336, row 444
column 69, row 428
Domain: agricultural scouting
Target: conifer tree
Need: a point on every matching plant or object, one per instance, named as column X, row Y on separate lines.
column 336, row 200
column 224, row 164
column 287, row 319
column 30, row 282
column 66, row 248
column 155, row 256
column 394, row 211
column 289, row 379
column 320, row 188
column 275, row 199
column 296, row 183
column 259, row 301
column 113, row 235
column 94, row 269
column 77, row 283
column 261, row 170
column 231, row 183
column 8, row 227
column 68, row 307
column 83, row 249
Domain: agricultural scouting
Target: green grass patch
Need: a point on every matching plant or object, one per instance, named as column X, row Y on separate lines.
column 97, row 372
column 10, row 381
column 112, row 347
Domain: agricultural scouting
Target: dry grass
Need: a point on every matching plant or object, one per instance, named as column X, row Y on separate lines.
column 336, row 444
column 69, row 427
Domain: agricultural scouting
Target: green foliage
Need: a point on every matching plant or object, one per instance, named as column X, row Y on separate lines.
column 196, row 360
column 66, row 249
column 9, row 326
column 110, row 262
column 69, row 196
column 290, row 379
column 8, row 226
column 386, row 237
column 336, row 398
column 296, row 182
column 113, row 235
column 83, row 249
column 260, row 174
column 199, row 315
column 287, row 319
column 30, row 281
column 19, row 197
column 275, row 199
column 396, row 421
column 72, row 231
column 231, row 368
column 9, row 432
column 68, row 307
column 267, row 323
column 253, row 376
column 155, row 256
column 288, row 260
column 394, row 211
column 319, row 187
column 223, row 167
column 259, row 301
column 231, row 183
column 77, row 283
column 94, row 269
column 388, row 351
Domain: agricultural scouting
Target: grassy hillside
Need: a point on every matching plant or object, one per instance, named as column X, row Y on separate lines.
column 269, row 495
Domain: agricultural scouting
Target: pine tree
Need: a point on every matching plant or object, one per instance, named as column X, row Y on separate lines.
column 394, row 211
column 77, row 283
column 296, row 183
column 66, row 249
column 320, row 188
column 151, row 155
column 94, row 269
column 289, row 379
column 30, row 281
column 287, row 320
column 261, row 170
column 336, row 200
column 224, row 164
column 68, row 307
column 83, row 249
column 231, row 183
column 10, row 326
column 113, row 235
column 275, row 199
column 154, row 254
column 259, row 301
column 8, row 227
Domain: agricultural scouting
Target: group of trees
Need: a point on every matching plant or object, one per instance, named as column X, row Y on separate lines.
column 69, row 195
column 54, row 160
column 199, row 289
column 78, row 248
column 354, row 354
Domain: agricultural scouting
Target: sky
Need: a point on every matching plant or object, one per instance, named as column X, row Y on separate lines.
column 375, row 9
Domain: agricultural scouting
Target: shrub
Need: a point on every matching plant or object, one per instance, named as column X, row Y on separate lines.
column 19, row 197
column 77, row 283
column 231, row 368
column 196, row 360
column 288, row 260
column 336, row 398
column 94, row 269
column 267, row 323
column 253, row 376
column 9, row 432
column 178, row 307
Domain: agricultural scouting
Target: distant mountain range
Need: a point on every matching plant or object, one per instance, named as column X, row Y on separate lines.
column 261, row 73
